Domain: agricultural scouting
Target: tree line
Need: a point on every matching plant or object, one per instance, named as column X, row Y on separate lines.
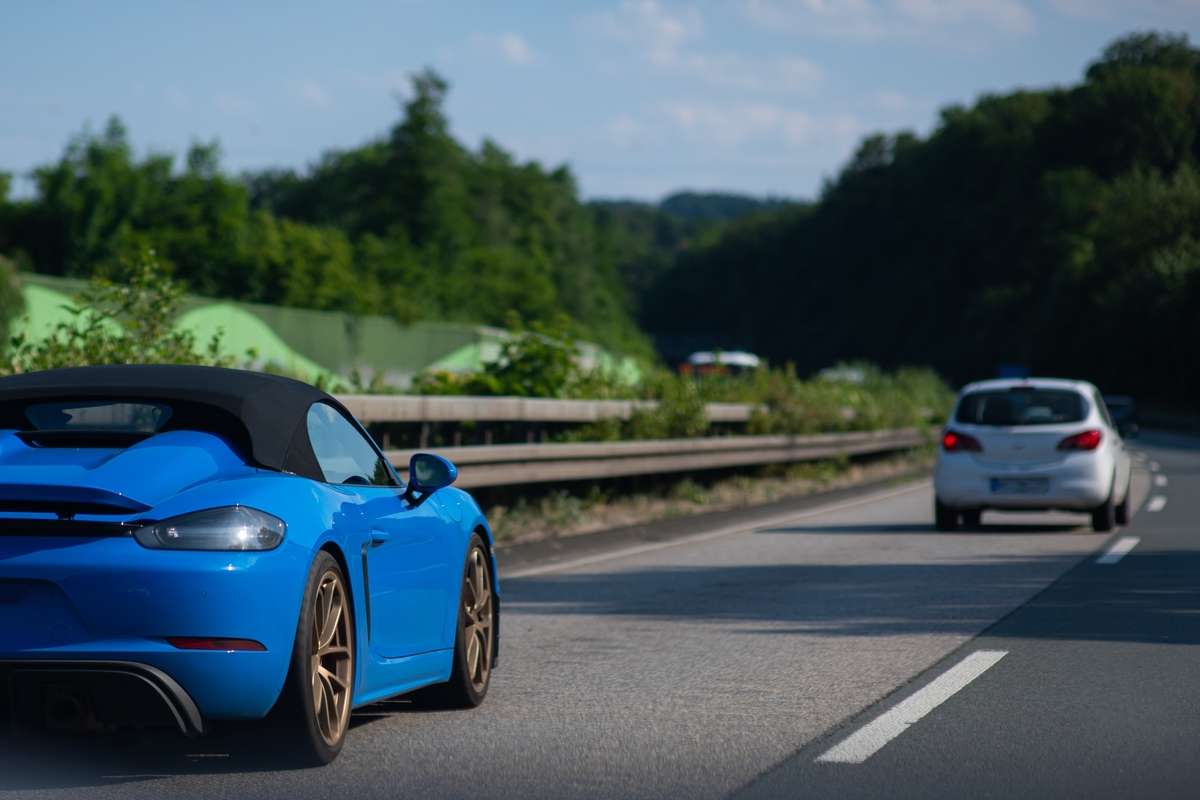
column 412, row 224
column 1057, row 230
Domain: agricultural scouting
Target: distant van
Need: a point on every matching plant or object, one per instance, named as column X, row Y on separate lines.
column 720, row 362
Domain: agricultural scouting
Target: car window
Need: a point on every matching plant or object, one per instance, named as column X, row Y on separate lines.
column 104, row 415
column 343, row 453
column 1021, row 406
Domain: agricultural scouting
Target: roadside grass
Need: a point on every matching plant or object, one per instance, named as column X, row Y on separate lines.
column 564, row 513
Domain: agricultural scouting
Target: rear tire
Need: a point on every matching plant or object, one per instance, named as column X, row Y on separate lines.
column 475, row 639
column 1104, row 518
column 971, row 519
column 314, row 710
column 945, row 518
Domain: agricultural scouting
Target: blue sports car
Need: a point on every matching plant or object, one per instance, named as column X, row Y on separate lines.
column 180, row 545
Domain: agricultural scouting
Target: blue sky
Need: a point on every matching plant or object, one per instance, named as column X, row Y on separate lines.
column 640, row 97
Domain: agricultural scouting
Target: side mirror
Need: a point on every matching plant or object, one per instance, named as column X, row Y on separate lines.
column 427, row 473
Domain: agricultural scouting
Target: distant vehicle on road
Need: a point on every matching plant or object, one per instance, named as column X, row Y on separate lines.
column 720, row 362
column 1123, row 411
column 1031, row 445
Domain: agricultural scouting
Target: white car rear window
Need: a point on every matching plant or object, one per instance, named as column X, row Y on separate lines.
column 1021, row 406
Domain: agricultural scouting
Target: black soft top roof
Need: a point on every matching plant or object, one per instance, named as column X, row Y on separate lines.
column 264, row 414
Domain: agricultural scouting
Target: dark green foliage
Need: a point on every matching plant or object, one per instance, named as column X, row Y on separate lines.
column 1056, row 229
column 412, row 224
column 716, row 206
column 447, row 233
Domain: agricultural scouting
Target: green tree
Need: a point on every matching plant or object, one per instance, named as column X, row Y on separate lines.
column 1054, row 229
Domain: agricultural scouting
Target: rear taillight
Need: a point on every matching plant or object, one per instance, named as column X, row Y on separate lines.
column 955, row 442
column 1088, row 440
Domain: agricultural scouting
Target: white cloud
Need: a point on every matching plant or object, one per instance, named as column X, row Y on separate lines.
column 879, row 19
column 735, row 72
column 849, row 18
column 1084, row 8
column 1150, row 11
column 313, row 94
column 668, row 40
column 659, row 34
column 510, row 47
column 741, row 124
column 233, row 105
column 1009, row 15
column 515, row 49
column 624, row 131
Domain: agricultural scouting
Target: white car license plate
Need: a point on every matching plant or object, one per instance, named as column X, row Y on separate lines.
column 1020, row 485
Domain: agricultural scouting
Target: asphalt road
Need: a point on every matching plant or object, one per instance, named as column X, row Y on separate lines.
column 730, row 658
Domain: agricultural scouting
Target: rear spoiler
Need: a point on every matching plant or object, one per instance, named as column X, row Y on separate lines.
column 66, row 501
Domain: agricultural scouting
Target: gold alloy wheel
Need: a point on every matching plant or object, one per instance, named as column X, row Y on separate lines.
column 477, row 619
column 332, row 659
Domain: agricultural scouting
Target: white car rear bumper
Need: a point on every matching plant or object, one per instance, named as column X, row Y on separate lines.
column 1076, row 482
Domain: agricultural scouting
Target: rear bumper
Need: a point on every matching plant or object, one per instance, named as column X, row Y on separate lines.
column 111, row 600
column 66, row 694
column 1076, row 483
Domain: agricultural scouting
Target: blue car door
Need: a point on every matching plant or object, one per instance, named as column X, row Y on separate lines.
column 411, row 573
column 409, row 551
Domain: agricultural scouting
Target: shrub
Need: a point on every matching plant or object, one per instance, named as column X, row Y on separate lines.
column 125, row 322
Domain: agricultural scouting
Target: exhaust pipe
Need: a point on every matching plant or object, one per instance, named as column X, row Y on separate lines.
column 67, row 710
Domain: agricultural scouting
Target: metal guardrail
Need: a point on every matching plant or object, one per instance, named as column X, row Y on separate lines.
column 408, row 408
column 504, row 465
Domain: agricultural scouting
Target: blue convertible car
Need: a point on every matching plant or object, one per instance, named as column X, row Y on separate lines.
column 181, row 544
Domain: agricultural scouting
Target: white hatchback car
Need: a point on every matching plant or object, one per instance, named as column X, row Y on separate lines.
column 1031, row 445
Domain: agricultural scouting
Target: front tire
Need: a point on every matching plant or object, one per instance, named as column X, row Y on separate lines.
column 475, row 640
column 320, row 683
column 972, row 518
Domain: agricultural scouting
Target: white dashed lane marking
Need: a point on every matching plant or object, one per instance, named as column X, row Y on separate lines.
column 1118, row 550
column 1157, row 503
column 871, row 738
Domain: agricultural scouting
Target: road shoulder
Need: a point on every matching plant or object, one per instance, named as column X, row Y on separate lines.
column 516, row 559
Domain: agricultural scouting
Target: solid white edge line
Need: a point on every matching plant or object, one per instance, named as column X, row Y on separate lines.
column 1160, row 480
column 728, row 530
column 871, row 738
column 1118, row 550
column 1157, row 503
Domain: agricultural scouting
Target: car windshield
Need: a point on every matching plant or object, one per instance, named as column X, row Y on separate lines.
column 102, row 415
column 1021, row 406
